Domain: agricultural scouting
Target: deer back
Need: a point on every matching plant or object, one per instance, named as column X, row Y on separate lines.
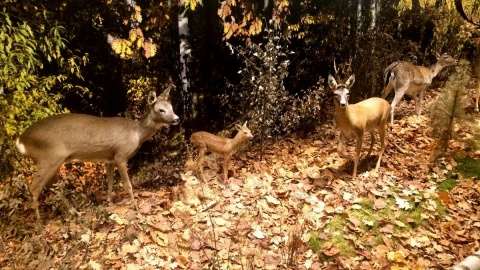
column 80, row 137
column 212, row 143
column 219, row 144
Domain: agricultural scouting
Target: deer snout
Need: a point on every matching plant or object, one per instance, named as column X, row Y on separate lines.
column 176, row 120
column 343, row 104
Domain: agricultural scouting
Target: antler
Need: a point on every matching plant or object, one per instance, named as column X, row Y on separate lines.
column 459, row 7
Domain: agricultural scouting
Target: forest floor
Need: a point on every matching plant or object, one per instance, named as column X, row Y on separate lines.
column 298, row 208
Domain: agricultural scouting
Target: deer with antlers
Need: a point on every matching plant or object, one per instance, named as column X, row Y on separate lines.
column 354, row 120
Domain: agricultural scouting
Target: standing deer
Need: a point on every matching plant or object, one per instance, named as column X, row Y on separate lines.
column 58, row 139
column 476, row 74
column 226, row 147
column 353, row 120
column 407, row 78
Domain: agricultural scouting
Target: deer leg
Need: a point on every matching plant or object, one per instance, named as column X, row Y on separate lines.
column 341, row 143
column 381, row 132
column 201, row 155
column 225, row 168
column 110, row 170
column 47, row 171
column 358, row 149
column 372, row 138
column 398, row 96
column 122, row 168
column 420, row 99
column 387, row 90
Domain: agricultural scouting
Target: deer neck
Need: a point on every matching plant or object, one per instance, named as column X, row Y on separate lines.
column 342, row 114
column 436, row 68
column 235, row 142
column 147, row 127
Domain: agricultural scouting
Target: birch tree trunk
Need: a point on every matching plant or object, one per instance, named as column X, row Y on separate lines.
column 373, row 11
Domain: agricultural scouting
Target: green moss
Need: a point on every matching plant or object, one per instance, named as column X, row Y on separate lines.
column 315, row 242
column 370, row 235
column 447, row 185
column 334, row 228
column 468, row 166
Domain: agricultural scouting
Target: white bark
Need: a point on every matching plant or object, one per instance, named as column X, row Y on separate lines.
column 373, row 10
column 185, row 50
column 359, row 16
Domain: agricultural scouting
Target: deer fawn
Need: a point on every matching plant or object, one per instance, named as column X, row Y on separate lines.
column 407, row 78
column 476, row 73
column 353, row 120
column 57, row 139
column 205, row 141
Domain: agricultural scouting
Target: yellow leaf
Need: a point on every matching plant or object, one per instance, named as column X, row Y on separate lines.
column 396, row 256
column 133, row 36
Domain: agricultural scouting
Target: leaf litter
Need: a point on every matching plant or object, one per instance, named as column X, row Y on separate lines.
column 298, row 208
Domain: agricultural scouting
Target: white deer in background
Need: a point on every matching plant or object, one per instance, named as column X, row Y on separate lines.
column 407, row 78
column 57, row 139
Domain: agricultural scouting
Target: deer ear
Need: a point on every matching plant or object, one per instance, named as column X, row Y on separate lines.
column 165, row 94
column 350, row 81
column 331, row 82
column 245, row 124
column 437, row 55
column 238, row 127
column 152, row 98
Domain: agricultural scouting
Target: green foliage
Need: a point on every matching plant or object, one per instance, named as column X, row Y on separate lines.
column 271, row 109
column 449, row 107
column 28, row 91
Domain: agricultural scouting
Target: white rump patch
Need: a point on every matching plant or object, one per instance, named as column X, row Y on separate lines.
column 20, row 147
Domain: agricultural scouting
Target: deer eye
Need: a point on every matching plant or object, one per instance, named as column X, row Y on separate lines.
column 162, row 110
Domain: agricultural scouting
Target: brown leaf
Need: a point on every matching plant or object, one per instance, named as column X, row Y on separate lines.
column 379, row 204
column 444, row 197
column 329, row 249
column 195, row 244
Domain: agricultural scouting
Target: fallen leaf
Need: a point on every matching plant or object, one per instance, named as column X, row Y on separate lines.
column 272, row 200
column 258, row 234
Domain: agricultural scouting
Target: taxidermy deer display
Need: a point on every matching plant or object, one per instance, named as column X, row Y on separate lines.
column 58, row 139
column 207, row 142
column 407, row 78
column 354, row 120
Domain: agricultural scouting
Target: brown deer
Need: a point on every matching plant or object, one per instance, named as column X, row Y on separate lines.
column 353, row 120
column 476, row 74
column 58, row 139
column 407, row 78
column 207, row 142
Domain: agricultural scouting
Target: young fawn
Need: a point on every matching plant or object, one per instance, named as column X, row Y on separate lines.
column 353, row 120
column 407, row 78
column 57, row 139
column 207, row 142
